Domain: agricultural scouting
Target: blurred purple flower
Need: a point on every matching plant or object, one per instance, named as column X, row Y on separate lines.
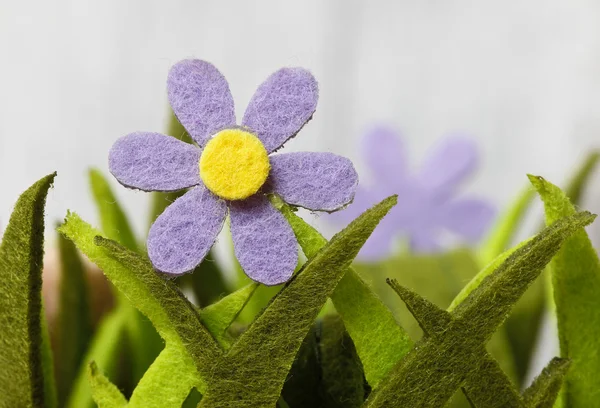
column 427, row 199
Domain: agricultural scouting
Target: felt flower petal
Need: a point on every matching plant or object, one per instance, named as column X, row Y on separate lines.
column 385, row 155
column 281, row 106
column 154, row 162
column 183, row 234
column 200, row 97
column 316, row 181
column 453, row 160
column 263, row 241
column 469, row 218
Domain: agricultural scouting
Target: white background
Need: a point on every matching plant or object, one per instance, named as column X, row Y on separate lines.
column 521, row 77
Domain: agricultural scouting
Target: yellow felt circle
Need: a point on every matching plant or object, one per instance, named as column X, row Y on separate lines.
column 234, row 164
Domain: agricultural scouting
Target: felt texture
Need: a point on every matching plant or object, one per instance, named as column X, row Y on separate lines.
column 154, row 162
column 263, row 241
column 207, row 282
column 430, row 205
column 505, row 227
column 22, row 377
column 327, row 371
column 362, row 311
column 545, row 388
column 281, row 106
column 104, row 350
column 576, row 285
column 144, row 343
column 316, row 181
column 422, row 378
column 74, row 326
column 168, row 310
column 184, row 233
column 200, row 97
column 265, row 352
column 218, row 317
column 234, row 164
column 105, row 393
column 113, row 220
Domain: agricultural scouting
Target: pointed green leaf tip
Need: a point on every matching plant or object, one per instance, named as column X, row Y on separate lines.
column 252, row 373
column 576, row 284
column 106, row 394
column 453, row 354
column 361, row 309
column 22, row 379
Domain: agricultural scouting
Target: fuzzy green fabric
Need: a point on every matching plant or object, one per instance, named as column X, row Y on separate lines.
column 113, row 221
column 159, row 299
column 327, row 372
column 453, row 354
column 143, row 344
column 22, row 378
column 379, row 340
column 74, row 326
column 576, row 285
column 218, row 317
column 544, row 390
column 103, row 350
column 107, row 395
column 253, row 371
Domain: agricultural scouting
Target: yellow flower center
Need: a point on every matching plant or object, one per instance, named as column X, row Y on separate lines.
column 234, row 164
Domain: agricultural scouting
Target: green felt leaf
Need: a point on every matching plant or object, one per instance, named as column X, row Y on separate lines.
column 342, row 376
column 544, row 390
column 74, row 326
column 505, row 227
column 218, row 317
column 112, row 217
column 327, row 371
column 253, row 371
column 156, row 297
column 143, row 343
column 362, row 311
column 576, row 285
column 439, row 364
column 22, row 376
column 106, row 394
column 104, row 350
column 206, row 282
column 577, row 184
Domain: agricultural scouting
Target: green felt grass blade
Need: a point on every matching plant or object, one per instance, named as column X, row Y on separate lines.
column 576, row 285
column 342, row 376
column 252, row 373
column 218, row 317
column 22, row 379
column 143, row 343
column 105, row 393
column 438, row 365
column 362, row 311
column 157, row 298
column 104, row 350
column 578, row 182
column 544, row 390
column 505, row 227
column 112, row 217
column 74, row 327
column 206, row 282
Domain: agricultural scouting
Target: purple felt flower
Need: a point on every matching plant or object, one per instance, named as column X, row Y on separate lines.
column 232, row 170
column 427, row 202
